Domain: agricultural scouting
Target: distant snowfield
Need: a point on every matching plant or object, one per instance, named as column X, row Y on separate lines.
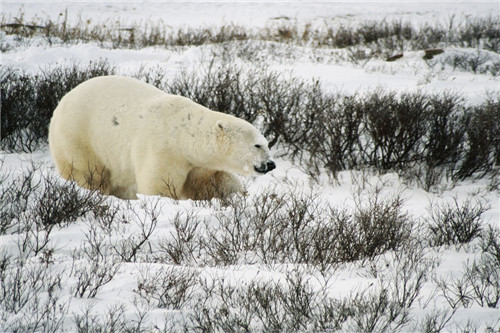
column 252, row 13
column 410, row 73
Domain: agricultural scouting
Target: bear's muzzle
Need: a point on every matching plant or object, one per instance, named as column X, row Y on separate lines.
column 265, row 167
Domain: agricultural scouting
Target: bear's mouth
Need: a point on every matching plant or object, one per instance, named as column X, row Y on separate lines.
column 265, row 167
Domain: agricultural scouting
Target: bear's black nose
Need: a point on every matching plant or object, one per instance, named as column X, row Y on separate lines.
column 271, row 166
column 265, row 167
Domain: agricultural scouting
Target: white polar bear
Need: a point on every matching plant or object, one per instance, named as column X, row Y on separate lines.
column 122, row 136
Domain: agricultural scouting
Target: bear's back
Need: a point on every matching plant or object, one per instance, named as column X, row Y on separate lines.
column 114, row 90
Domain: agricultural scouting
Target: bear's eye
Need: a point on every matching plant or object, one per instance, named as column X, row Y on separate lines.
column 258, row 146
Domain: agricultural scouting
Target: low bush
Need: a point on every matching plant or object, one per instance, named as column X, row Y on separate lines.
column 113, row 319
column 382, row 37
column 28, row 101
column 38, row 200
column 483, row 276
column 477, row 62
column 395, row 127
column 30, row 297
column 424, row 136
column 482, row 140
column 298, row 304
column 490, row 243
column 292, row 228
column 183, row 245
column 446, row 130
column 336, row 132
column 169, row 288
column 480, row 285
column 436, row 321
column 272, row 229
column 129, row 249
column 456, row 223
column 93, row 264
column 478, row 30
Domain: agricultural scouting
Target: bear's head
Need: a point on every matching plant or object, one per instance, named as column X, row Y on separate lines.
column 245, row 150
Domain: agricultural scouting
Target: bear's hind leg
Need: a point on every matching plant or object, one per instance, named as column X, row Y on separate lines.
column 91, row 176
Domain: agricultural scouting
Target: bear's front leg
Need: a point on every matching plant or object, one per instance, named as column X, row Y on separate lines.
column 205, row 184
column 165, row 179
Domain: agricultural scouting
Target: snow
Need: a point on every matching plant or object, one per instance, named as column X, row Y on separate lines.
column 255, row 13
column 409, row 74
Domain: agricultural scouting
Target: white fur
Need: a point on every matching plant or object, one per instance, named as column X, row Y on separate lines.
column 123, row 136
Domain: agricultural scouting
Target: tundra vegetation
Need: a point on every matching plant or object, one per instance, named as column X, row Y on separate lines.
column 275, row 259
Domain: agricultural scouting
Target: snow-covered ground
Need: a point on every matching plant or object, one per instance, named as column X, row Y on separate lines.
column 411, row 73
column 252, row 13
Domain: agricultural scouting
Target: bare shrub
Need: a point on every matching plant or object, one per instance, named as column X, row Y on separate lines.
column 335, row 144
column 256, row 306
column 443, row 141
column 456, row 223
column 108, row 216
column 15, row 193
column 445, row 135
column 477, row 31
column 295, row 305
column 284, row 308
column 17, row 98
column 28, row 101
column 414, row 265
column 129, row 247
column 296, row 228
column 220, row 87
column 424, row 136
column 380, row 224
column 199, row 36
column 479, row 284
column 183, row 245
column 114, row 320
column 169, row 287
column 36, row 201
column 479, row 62
column 369, row 311
column 480, row 281
column 455, row 292
column 482, row 150
column 394, row 129
column 391, row 35
column 483, row 276
column 270, row 228
column 490, row 243
column 42, row 314
column 385, row 307
column 288, row 107
column 72, row 202
column 469, row 326
column 436, row 321
column 93, row 264
column 30, row 295
column 238, row 230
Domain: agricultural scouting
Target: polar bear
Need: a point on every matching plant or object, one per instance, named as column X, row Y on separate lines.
column 122, row 136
